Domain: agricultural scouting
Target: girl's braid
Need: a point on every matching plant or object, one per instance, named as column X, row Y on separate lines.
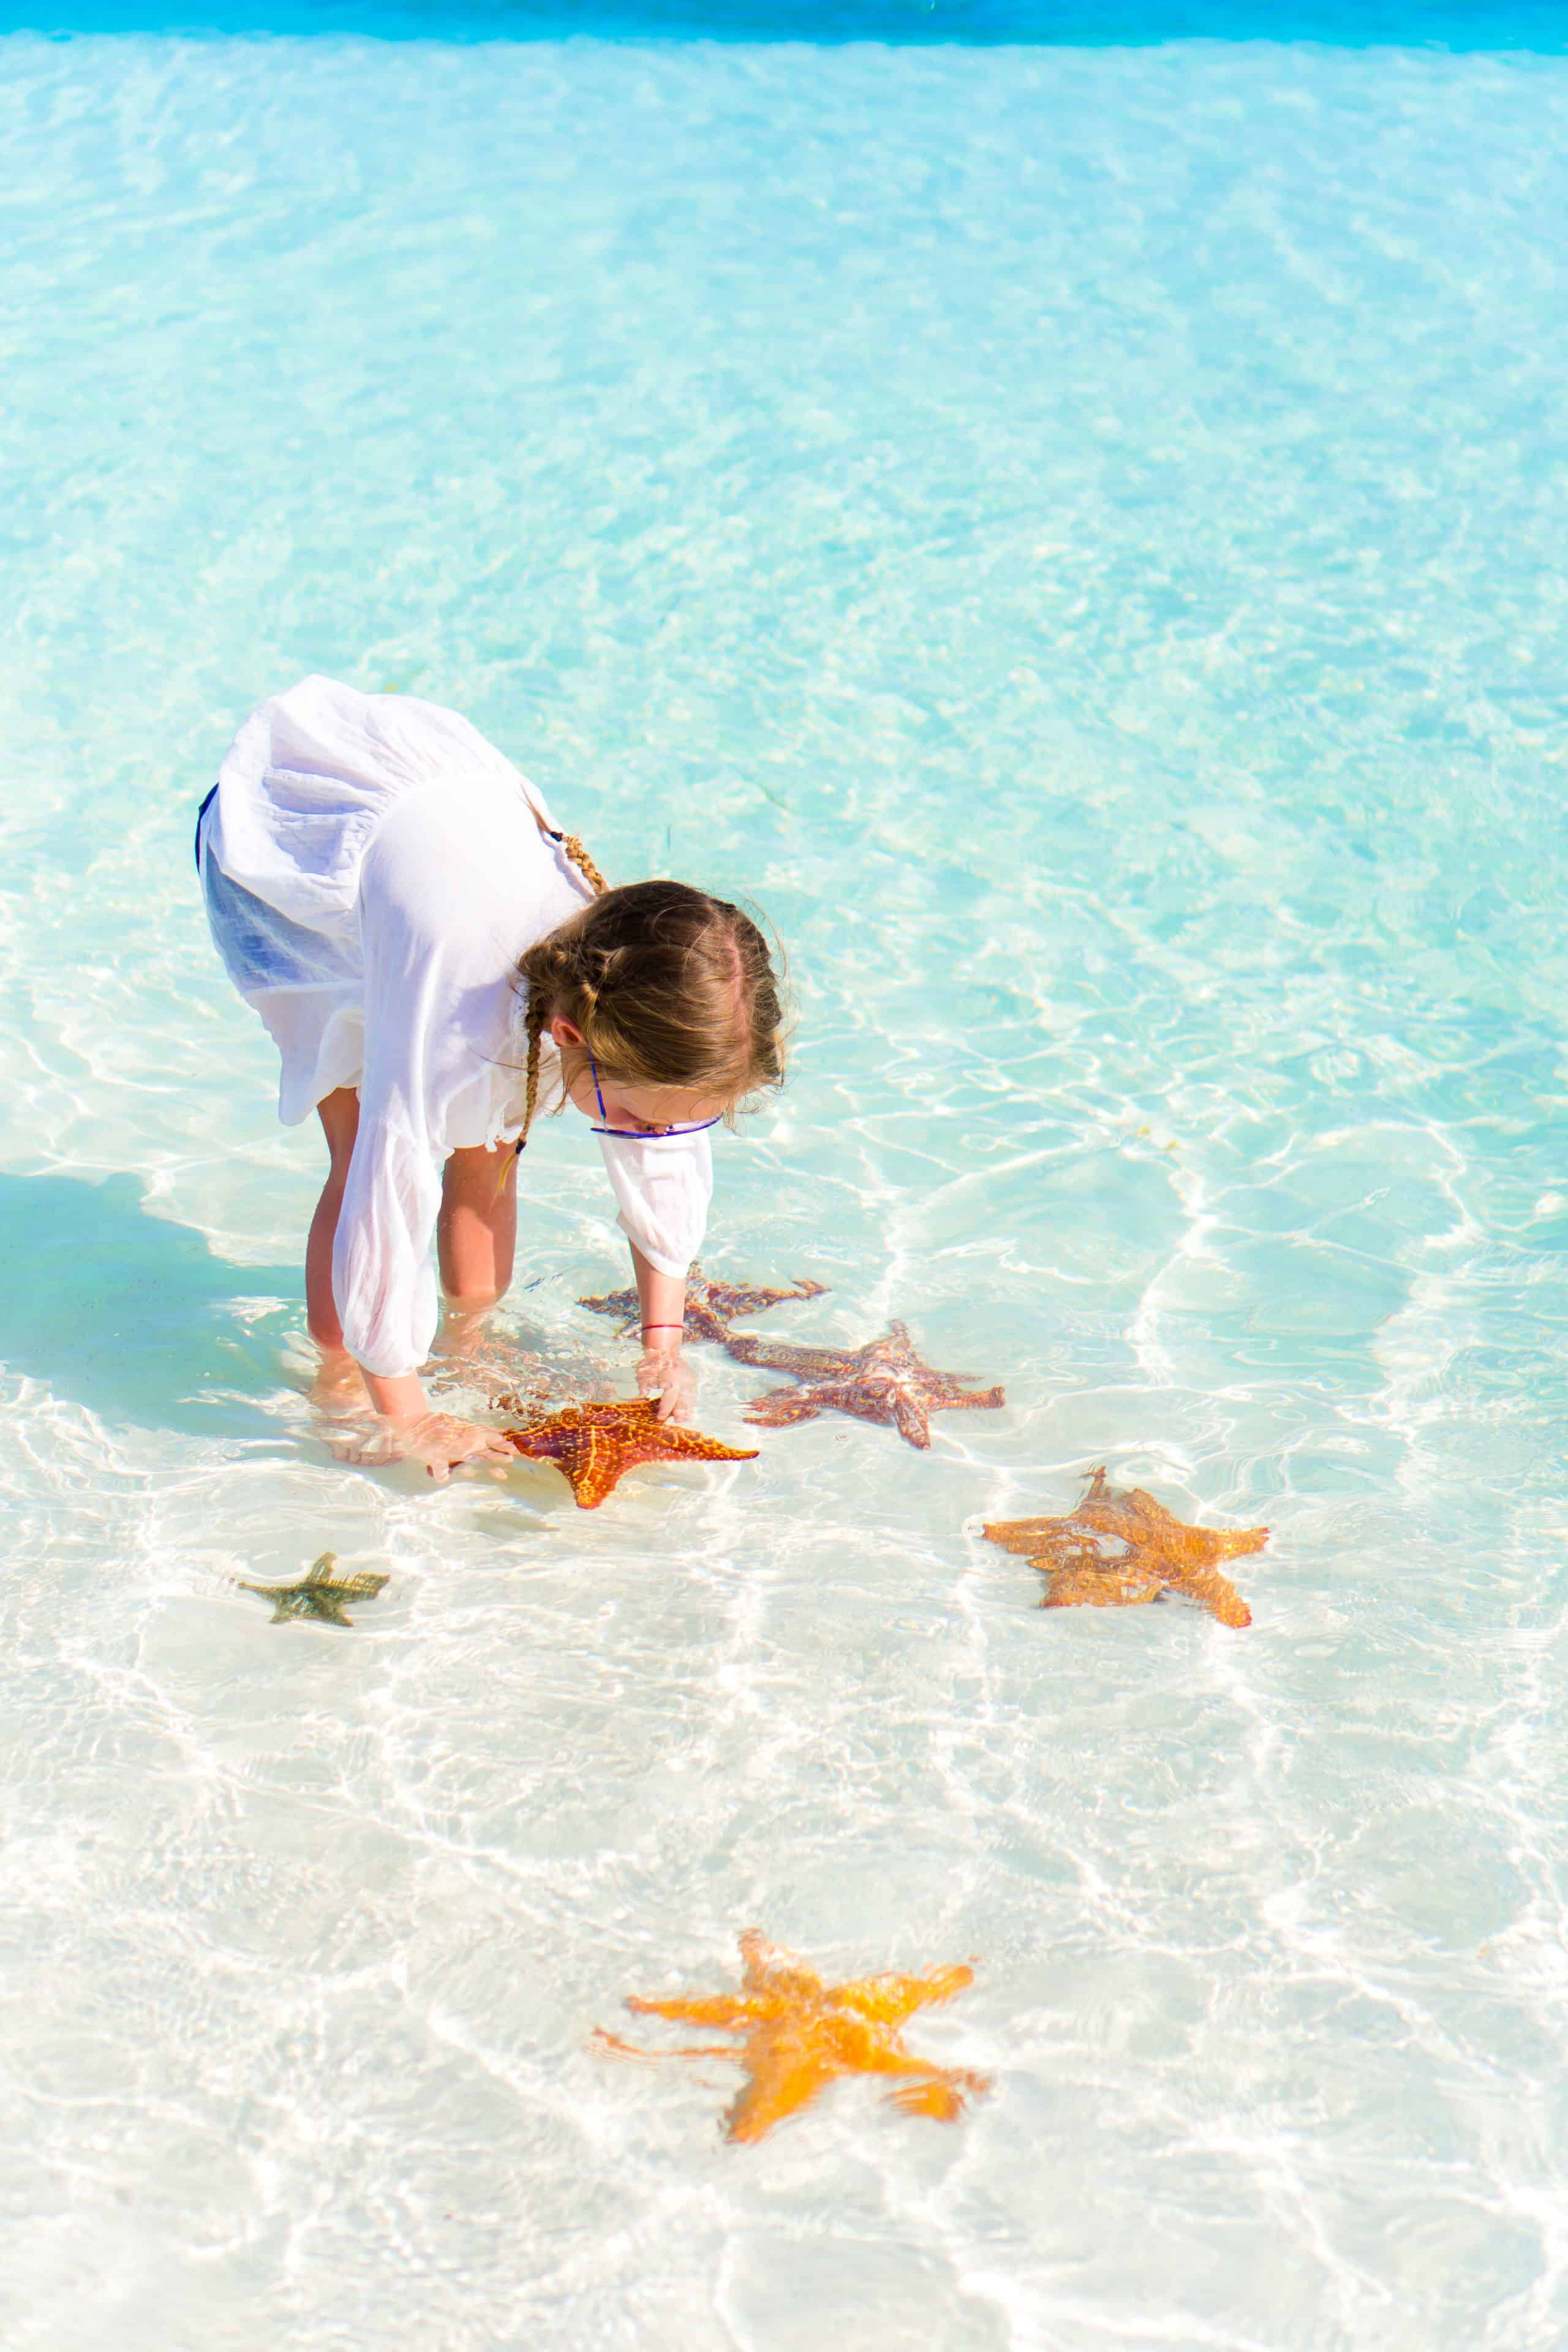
column 538, row 1002
column 572, row 842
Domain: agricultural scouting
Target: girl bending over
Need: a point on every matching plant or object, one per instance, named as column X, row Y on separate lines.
column 437, row 963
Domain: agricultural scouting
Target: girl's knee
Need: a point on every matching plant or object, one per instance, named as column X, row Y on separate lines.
column 469, row 1299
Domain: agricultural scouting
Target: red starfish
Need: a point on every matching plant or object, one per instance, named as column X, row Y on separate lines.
column 595, row 1445
column 885, row 1381
column 710, row 1306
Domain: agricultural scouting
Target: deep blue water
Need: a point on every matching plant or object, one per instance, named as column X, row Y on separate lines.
column 1456, row 25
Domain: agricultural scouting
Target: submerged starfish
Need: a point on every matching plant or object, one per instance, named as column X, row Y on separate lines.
column 799, row 2034
column 1122, row 1547
column 318, row 1594
column 710, row 1306
column 885, row 1381
column 594, row 1444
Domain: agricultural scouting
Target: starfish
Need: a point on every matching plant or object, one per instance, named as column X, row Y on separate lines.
column 710, row 1306
column 798, row 2033
column 1122, row 1547
column 318, row 1594
column 595, row 1445
column 885, row 1381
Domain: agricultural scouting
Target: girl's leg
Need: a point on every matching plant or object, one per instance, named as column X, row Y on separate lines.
column 476, row 1235
column 340, row 1124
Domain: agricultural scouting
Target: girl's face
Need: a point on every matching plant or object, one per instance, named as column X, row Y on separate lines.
column 640, row 1111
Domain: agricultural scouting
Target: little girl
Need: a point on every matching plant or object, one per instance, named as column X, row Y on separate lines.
column 434, row 961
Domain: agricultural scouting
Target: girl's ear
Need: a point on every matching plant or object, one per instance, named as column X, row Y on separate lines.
column 564, row 1032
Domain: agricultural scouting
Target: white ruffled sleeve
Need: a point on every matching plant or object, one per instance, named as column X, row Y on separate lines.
column 384, row 1278
column 663, row 1187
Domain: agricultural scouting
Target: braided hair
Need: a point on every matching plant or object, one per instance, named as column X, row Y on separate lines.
column 539, row 1006
column 668, row 986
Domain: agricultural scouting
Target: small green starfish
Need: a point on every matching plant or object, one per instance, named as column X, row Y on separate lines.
column 318, row 1594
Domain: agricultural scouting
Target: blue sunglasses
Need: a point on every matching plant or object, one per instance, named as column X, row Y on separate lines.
column 643, row 1134
column 628, row 1134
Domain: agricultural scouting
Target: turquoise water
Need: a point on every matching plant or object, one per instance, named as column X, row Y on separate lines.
column 1509, row 25
column 1077, row 535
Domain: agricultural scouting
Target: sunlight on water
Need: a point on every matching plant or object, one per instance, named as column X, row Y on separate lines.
column 1075, row 535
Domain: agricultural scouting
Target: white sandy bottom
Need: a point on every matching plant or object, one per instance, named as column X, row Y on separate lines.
column 1073, row 536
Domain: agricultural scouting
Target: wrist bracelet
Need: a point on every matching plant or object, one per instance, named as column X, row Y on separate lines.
column 663, row 1327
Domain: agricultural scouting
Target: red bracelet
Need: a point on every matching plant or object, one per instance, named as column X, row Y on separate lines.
column 663, row 1327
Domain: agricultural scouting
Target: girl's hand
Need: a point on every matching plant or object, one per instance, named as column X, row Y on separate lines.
column 664, row 1372
column 439, row 1440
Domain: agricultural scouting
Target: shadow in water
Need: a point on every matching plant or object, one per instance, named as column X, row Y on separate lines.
column 131, row 1315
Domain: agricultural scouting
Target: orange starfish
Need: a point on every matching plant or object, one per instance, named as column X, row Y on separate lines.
column 595, row 1445
column 799, row 2034
column 1119, row 1547
column 710, row 1306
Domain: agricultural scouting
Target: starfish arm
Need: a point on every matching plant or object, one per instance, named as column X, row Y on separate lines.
column 734, row 1299
column 803, row 1363
column 601, row 2040
column 1029, row 1535
column 733, row 2011
column 595, row 1474
column 533, row 1441
column 891, row 2000
column 702, row 1323
column 781, row 1409
column 769, row 1970
column 1233, row 1541
column 620, row 1303
column 911, row 1419
column 938, row 2091
column 1218, row 1593
column 691, row 1444
column 781, row 2085
column 988, row 1401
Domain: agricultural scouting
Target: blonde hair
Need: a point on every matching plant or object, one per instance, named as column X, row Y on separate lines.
column 668, row 986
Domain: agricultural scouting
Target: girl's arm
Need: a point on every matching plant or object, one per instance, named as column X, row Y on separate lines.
column 663, row 1371
column 663, row 1186
column 403, row 1398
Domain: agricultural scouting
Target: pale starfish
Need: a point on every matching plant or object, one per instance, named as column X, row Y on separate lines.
column 710, row 1306
column 318, row 1593
column 799, row 2034
column 884, row 1381
column 1119, row 1547
column 594, row 1444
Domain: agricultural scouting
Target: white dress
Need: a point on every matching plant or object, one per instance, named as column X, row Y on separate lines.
column 373, row 872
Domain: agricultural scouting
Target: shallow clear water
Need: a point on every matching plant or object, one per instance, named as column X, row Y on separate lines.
column 1077, row 535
